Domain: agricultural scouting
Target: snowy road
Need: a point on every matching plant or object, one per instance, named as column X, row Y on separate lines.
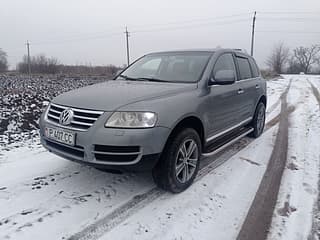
column 45, row 197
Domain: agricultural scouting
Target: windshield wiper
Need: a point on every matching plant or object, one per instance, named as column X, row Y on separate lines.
column 128, row 78
column 152, row 79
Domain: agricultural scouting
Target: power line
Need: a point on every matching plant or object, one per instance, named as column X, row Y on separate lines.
column 78, row 39
column 101, row 35
column 289, row 13
column 285, row 31
column 287, row 19
column 192, row 26
column 83, row 35
column 194, row 20
column 197, row 23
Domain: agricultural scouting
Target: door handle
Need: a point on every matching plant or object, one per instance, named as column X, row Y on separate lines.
column 257, row 86
column 240, row 91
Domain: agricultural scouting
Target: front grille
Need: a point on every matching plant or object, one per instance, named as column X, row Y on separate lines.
column 77, row 151
column 116, row 158
column 117, row 149
column 117, row 154
column 82, row 119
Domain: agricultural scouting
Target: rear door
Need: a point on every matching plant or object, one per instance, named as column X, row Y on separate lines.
column 224, row 101
column 247, row 82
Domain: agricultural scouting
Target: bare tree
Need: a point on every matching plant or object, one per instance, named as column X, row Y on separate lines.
column 293, row 66
column 108, row 71
column 305, row 57
column 278, row 58
column 39, row 64
column 3, row 61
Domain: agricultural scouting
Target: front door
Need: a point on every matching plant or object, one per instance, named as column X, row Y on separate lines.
column 225, row 101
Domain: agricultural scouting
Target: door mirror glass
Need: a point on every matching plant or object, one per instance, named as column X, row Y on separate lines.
column 224, row 77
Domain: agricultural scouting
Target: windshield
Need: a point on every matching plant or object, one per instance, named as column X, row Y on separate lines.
column 168, row 67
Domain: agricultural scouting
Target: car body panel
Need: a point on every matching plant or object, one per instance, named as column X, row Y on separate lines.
column 110, row 95
column 218, row 107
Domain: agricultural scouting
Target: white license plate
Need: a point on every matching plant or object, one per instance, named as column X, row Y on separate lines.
column 60, row 135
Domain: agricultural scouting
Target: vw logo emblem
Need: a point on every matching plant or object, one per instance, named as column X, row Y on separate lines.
column 66, row 117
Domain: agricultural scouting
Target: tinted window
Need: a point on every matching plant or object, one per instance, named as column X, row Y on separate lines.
column 152, row 65
column 171, row 67
column 224, row 62
column 255, row 71
column 244, row 68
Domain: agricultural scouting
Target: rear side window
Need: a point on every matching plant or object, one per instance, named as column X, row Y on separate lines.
column 224, row 62
column 244, row 68
column 255, row 70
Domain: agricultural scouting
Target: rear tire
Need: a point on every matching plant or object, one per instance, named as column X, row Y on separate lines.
column 179, row 162
column 258, row 121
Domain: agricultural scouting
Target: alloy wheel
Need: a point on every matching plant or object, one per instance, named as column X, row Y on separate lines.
column 260, row 120
column 186, row 160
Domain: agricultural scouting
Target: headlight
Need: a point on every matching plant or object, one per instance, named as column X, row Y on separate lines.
column 132, row 120
column 46, row 109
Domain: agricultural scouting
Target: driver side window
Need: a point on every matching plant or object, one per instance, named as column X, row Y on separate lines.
column 224, row 62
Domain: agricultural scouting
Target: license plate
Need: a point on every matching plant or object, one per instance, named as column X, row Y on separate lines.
column 60, row 135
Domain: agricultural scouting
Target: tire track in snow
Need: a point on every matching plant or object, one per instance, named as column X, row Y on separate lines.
column 273, row 106
column 315, row 92
column 315, row 229
column 259, row 216
column 52, row 205
column 117, row 216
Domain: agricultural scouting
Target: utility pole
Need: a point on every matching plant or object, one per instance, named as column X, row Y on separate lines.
column 252, row 34
column 127, row 40
column 29, row 66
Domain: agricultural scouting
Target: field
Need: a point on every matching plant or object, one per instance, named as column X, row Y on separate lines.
column 22, row 100
column 255, row 189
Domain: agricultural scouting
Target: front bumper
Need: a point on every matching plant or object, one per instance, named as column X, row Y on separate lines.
column 122, row 149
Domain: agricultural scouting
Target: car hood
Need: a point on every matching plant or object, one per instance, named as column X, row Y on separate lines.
column 110, row 95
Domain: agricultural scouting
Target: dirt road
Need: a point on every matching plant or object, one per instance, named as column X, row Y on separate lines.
column 258, row 220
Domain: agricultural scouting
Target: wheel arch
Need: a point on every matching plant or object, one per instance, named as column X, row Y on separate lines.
column 190, row 121
column 262, row 99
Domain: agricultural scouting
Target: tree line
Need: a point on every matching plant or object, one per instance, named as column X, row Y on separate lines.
column 298, row 60
column 280, row 60
column 3, row 61
column 41, row 64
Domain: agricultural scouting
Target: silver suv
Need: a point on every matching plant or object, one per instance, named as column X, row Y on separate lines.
column 162, row 113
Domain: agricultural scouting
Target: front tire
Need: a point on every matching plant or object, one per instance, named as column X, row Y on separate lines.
column 179, row 163
column 258, row 121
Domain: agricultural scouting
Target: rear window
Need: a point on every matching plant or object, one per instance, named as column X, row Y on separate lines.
column 244, row 68
column 254, row 68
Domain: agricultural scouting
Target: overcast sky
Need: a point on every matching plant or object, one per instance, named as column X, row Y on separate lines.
column 91, row 31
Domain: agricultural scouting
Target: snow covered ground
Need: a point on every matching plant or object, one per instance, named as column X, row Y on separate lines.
column 22, row 100
column 298, row 195
column 43, row 196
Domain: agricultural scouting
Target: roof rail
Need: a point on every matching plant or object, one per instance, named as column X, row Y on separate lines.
column 241, row 50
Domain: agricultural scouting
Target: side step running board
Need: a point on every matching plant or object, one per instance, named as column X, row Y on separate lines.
column 220, row 147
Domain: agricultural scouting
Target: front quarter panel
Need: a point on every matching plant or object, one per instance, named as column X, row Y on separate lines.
column 170, row 110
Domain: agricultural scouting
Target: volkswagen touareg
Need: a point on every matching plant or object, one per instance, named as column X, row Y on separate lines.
column 162, row 113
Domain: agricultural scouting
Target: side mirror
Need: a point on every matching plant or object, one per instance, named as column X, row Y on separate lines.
column 224, row 77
